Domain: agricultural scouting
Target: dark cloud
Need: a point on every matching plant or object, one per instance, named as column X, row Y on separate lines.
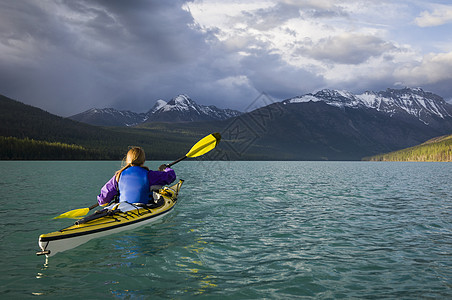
column 278, row 78
column 83, row 54
column 67, row 56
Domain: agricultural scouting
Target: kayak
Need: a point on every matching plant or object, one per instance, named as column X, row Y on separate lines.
column 112, row 219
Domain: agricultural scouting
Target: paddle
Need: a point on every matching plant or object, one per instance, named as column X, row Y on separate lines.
column 77, row 213
column 200, row 148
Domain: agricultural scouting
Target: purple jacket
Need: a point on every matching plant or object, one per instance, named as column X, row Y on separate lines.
column 110, row 189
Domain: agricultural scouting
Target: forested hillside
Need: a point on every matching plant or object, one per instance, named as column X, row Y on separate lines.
column 30, row 133
column 13, row 148
column 436, row 149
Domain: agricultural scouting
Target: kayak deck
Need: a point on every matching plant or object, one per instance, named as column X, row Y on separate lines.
column 114, row 221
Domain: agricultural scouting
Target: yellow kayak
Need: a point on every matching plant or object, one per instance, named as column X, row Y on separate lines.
column 115, row 218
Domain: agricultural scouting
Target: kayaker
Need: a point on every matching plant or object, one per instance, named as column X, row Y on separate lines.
column 133, row 181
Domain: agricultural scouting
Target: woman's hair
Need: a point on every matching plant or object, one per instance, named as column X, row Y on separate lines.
column 135, row 157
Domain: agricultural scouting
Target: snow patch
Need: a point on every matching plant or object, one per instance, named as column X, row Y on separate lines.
column 305, row 98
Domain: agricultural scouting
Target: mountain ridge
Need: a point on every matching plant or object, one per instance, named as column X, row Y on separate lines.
column 425, row 106
column 319, row 131
column 413, row 101
column 331, row 129
column 179, row 109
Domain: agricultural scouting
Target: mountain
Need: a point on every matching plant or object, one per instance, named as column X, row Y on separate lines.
column 436, row 149
column 178, row 109
column 25, row 121
column 184, row 109
column 109, row 117
column 327, row 125
column 31, row 133
column 27, row 132
column 337, row 125
column 425, row 106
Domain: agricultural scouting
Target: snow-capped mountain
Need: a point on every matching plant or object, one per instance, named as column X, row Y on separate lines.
column 338, row 125
column 178, row 109
column 415, row 102
column 110, row 117
column 184, row 109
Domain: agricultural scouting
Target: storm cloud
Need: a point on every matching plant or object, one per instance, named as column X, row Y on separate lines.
column 67, row 56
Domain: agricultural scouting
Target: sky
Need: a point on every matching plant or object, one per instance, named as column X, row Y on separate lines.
column 67, row 56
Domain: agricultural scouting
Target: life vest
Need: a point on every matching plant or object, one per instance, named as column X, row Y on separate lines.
column 134, row 185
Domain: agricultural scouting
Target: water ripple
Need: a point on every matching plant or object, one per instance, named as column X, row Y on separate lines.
column 243, row 230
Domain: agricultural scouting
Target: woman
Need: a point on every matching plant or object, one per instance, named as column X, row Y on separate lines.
column 133, row 182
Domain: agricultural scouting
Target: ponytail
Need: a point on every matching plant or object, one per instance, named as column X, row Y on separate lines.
column 135, row 157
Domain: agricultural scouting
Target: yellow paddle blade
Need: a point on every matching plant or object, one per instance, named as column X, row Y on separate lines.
column 74, row 214
column 204, row 145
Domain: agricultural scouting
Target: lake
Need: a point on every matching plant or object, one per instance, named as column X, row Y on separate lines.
column 241, row 230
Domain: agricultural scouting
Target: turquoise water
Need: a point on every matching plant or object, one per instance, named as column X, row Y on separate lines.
column 242, row 230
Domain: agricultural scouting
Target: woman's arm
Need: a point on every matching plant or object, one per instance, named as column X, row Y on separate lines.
column 164, row 177
column 108, row 192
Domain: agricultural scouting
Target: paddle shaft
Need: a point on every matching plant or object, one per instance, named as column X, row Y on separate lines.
column 93, row 206
column 176, row 161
